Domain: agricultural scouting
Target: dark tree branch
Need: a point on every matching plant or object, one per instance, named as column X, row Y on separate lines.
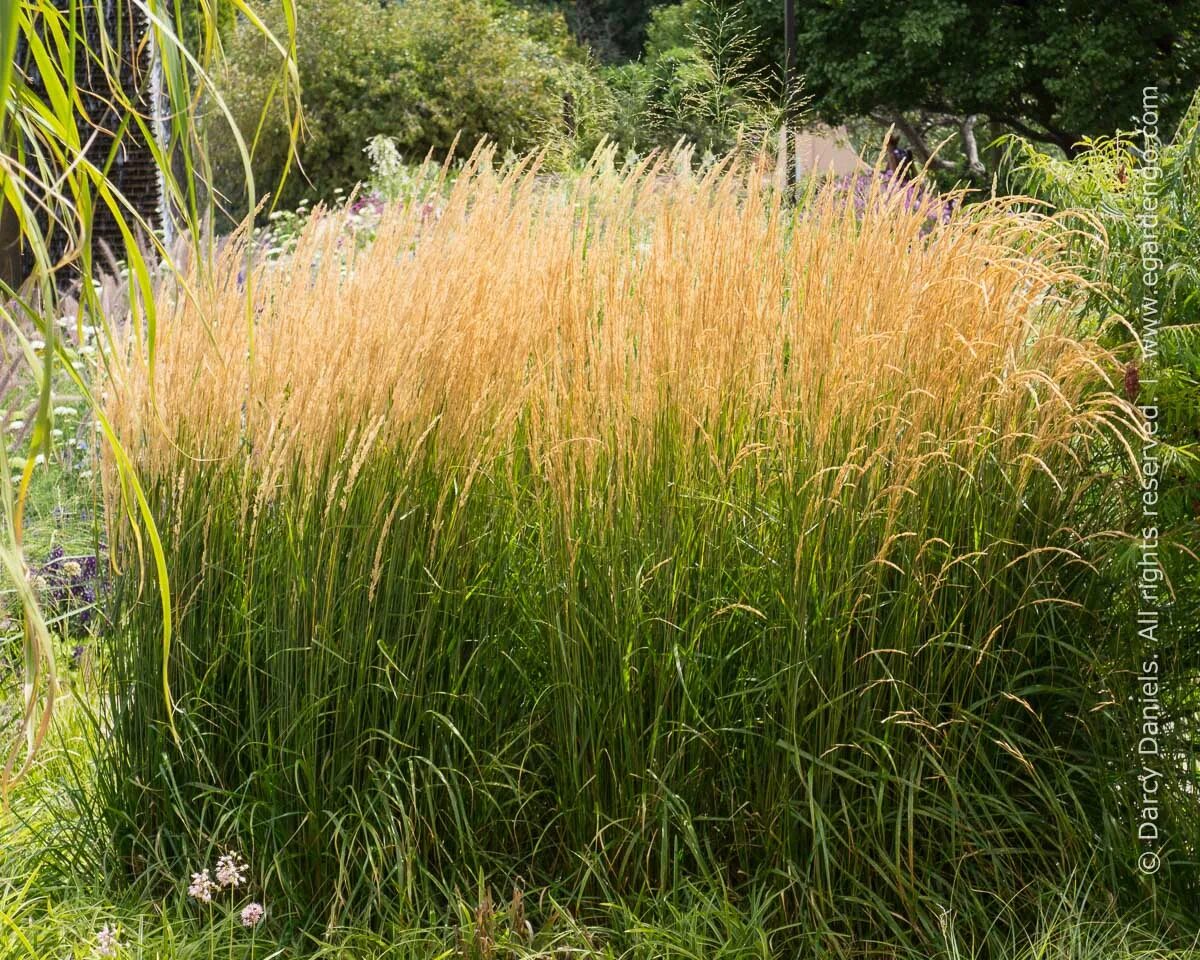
column 920, row 148
column 1067, row 141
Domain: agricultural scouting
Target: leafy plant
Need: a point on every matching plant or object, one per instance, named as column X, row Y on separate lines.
column 1132, row 215
column 699, row 82
column 427, row 73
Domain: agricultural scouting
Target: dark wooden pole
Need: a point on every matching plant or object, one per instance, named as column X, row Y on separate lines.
column 789, row 91
column 789, row 48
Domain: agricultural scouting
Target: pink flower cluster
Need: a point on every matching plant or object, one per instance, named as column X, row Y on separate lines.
column 230, row 872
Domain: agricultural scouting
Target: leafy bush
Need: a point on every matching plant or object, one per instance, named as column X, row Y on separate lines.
column 697, row 83
column 424, row 72
column 1100, row 197
column 630, row 538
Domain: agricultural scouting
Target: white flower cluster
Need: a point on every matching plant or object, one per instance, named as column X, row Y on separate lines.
column 231, row 870
column 230, row 873
column 252, row 914
column 202, row 887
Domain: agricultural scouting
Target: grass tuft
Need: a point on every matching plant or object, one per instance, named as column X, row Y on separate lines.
column 627, row 537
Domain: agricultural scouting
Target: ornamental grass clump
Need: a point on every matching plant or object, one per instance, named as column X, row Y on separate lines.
column 624, row 535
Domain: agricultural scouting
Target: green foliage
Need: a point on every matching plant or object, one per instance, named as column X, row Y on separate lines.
column 520, row 696
column 51, row 908
column 701, row 81
column 615, row 29
column 1056, row 72
column 201, row 19
column 1101, row 196
column 1062, row 71
column 424, row 72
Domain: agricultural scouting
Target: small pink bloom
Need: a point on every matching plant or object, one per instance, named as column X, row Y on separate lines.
column 202, row 887
column 252, row 914
column 107, row 943
column 231, row 870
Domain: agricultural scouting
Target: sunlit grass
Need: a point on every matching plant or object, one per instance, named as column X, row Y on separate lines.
column 635, row 534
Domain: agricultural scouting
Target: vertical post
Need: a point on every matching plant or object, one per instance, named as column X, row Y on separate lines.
column 789, row 81
column 781, row 160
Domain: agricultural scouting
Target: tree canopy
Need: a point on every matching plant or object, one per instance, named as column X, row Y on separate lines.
column 1055, row 72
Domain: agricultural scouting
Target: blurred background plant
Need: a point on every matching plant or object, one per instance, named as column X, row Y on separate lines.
column 563, row 75
column 702, row 80
column 429, row 74
column 425, row 73
column 956, row 74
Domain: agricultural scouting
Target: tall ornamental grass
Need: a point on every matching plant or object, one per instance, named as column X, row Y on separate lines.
column 626, row 536
column 85, row 88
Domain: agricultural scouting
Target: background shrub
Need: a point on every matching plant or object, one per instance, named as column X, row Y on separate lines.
column 424, row 72
column 699, row 81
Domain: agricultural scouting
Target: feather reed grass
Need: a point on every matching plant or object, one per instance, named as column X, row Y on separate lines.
column 627, row 534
